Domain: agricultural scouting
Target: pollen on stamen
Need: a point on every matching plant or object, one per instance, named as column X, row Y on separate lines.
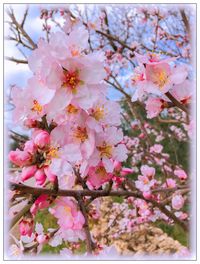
column 71, row 109
column 80, row 133
column 71, row 80
column 36, row 107
column 98, row 113
column 105, row 150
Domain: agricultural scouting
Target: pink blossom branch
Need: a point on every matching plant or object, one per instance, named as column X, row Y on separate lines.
column 95, row 194
column 162, row 208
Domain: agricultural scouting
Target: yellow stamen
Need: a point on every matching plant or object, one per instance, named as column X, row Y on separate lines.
column 67, row 209
column 159, row 77
column 52, row 153
column 80, row 133
column 145, row 181
column 105, row 150
column 101, row 172
column 36, row 107
column 71, row 109
column 75, row 52
column 98, row 113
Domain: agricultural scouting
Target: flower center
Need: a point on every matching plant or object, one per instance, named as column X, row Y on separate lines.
column 67, row 209
column 71, row 80
column 98, row 113
column 36, row 107
column 75, row 52
column 159, row 77
column 71, row 109
column 105, row 150
column 145, row 181
column 52, row 153
column 101, row 172
column 80, row 133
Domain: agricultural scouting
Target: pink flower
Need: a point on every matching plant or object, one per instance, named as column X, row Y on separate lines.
column 153, row 106
column 103, row 113
column 19, row 158
column 108, row 147
column 183, row 92
column 30, row 102
column 40, row 203
column 41, row 138
column 40, row 177
column 177, row 202
column 147, row 171
column 158, row 76
column 126, row 171
column 67, row 214
column 26, row 227
column 28, row 172
column 171, row 183
column 117, row 166
column 144, row 184
column 157, row 148
column 98, row 175
column 180, row 174
column 145, row 181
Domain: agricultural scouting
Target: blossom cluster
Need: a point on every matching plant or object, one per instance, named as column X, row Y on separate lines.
column 154, row 77
column 74, row 126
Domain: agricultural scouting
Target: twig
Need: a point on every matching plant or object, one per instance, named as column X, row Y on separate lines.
column 176, row 102
column 16, row 60
column 89, row 243
column 20, row 29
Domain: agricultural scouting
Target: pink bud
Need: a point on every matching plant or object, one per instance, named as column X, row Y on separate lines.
column 40, row 203
column 29, row 147
column 117, row 165
column 142, row 135
column 180, row 174
column 126, row 171
column 28, row 172
column 31, row 123
column 33, row 209
column 42, row 139
column 51, row 177
column 40, row 177
column 19, row 158
column 26, row 227
column 147, row 195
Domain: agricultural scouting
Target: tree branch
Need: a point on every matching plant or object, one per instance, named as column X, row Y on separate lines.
column 16, row 60
column 176, row 102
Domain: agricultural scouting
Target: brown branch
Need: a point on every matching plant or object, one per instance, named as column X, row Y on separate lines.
column 167, row 121
column 24, row 17
column 176, row 102
column 89, row 243
column 111, row 37
column 185, row 21
column 23, row 189
column 16, row 60
column 20, row 29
